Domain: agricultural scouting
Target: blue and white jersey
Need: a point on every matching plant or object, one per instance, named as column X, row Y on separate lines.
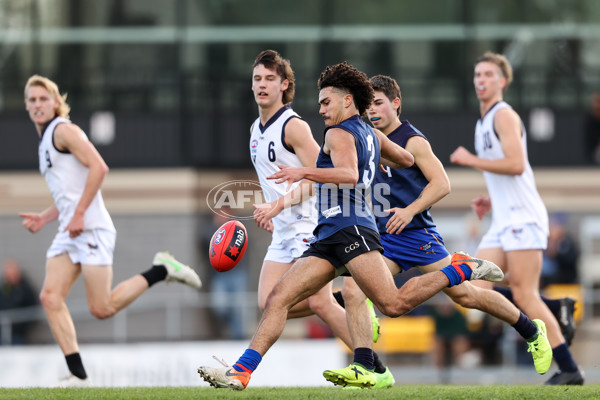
column 341, row 206
column 400, row 187
column 66, row 177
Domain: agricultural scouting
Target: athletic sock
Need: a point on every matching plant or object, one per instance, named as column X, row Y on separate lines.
column 457, row 273
column 155, row 274
column 248, row 361
column 339, row 298
column 364, row 356
column 553, row 305
column 506, row 292
column 564, row 359
column 75, row 365
column 379, row 367
column 526, row 328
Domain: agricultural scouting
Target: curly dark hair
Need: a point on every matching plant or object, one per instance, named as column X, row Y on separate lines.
column 347, row 78
column 273, row 60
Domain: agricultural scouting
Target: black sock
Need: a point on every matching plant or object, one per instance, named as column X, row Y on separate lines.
column 339, row 298
column 379, row 367
column 526, row 328
column 563, row 358
column 506, row 292
column 364, row 357
column 76, row 365
column 553, row 305
column 155, row 274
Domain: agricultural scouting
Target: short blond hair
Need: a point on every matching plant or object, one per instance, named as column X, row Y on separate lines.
column 501, row 61
column 63, row 109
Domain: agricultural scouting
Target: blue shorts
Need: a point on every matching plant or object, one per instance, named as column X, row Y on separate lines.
column 414, row 247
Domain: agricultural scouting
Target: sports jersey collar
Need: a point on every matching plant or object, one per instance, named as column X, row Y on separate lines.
column 404, row 125
column 355, row 117
column 46, row 126
column 273, row 118
column 491, row 108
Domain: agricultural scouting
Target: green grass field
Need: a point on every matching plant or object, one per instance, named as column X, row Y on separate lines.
column 496, row 392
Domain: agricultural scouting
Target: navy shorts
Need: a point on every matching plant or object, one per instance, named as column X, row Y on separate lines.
column 344, row 245
column 414, row 247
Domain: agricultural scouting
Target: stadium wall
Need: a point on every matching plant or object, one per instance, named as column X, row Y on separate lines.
column 166, row 209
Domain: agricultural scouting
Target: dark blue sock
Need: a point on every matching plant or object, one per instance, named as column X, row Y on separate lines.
column 364, row 357
column 564, row 359
column 526, row 328
column 250, row 360
column 506, row 292
column 377, row 364
column 457, row 273
column 553, row 305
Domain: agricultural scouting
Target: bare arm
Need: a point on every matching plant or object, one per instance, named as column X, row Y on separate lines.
column 508, row 126
column 341, row 147
column 34, row 222
column 70, row 137
column 393, row 155
column 299, row 137
column 437, row 188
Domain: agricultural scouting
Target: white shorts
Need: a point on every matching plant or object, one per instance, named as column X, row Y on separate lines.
column 92, row 247
column 286, row 251
column 516, row 237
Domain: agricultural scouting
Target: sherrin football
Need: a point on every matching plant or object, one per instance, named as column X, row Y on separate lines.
column 228, row 245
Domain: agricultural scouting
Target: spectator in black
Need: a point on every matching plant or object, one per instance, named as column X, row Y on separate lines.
column 562, row 254
column 16, row 292
column 592, row 132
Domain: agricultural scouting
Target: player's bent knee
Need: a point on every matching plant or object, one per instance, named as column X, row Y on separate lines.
column 524, row 297
column 319, row 305
column 396, row 309
column 274, row 299
column 101, row 312
column 353, row 296
column 262, row 304
column 50, row 301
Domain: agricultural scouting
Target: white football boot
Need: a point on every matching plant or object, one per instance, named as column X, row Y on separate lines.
column 72, row 381
column 177, row 271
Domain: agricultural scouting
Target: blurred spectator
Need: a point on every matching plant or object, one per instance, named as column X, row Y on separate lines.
column 485, row 335
column 226, row 286
column 470, row 242
column 451, row 333
column 15, row 292
column 561, row 256
column 592, row 132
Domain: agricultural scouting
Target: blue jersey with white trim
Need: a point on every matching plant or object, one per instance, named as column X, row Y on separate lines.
column 341, row 206
column 400, row 187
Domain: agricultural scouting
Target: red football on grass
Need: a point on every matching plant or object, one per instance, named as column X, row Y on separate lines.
column 228, row 245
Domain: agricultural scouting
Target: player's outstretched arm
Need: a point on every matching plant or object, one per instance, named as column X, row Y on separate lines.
column 481, row 205
column 393, row 155
column 34, row 222
column 507, row 125
column 341, row 147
